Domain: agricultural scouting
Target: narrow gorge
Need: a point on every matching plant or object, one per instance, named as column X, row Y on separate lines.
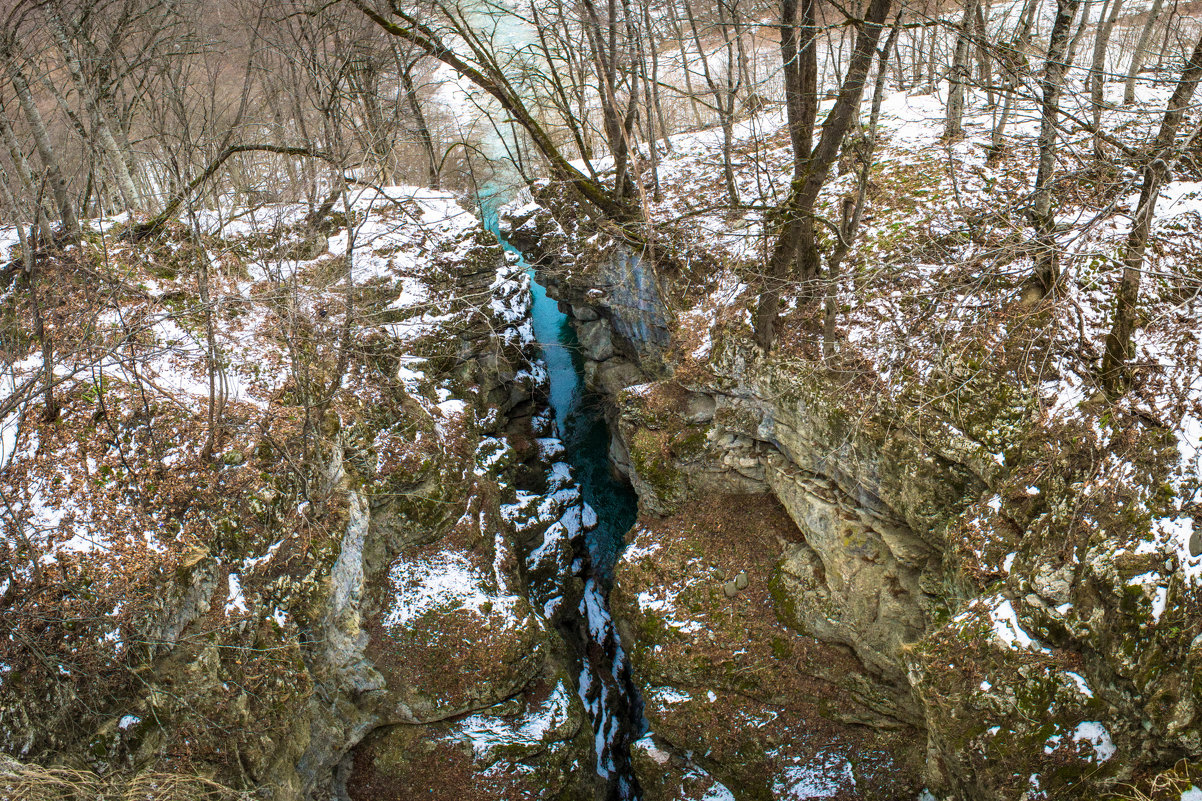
column 654, row 400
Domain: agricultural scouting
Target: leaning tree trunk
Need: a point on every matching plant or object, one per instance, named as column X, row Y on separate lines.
column 24, row 173
column 1141, row 47
column 854, row 212
column 491, row 79
column 101, row 128
column 804, row 193
column 423, row 130
column 41, row 138
column 1164, row 154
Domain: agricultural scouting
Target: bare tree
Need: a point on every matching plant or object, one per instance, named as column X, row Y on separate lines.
column 803, row 193
column 1141, row 51
column 852, row 211
column 102, row 126
column 724, row 88
column 41, row 136
column 487, row 73
column 1013, row 63
column 1097, row 69
column 1047, row 268
column 960, row 72
column 1164, row 155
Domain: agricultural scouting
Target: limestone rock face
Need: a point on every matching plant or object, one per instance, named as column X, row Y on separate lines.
column 340, row 602
column 615, row 286
column 996, row 602
column 596, row 340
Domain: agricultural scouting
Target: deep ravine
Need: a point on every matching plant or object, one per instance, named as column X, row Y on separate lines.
column 604, row 683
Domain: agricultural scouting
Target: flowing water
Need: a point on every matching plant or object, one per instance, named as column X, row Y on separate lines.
column 585, row 434
column 604, row 683
column 581, row 422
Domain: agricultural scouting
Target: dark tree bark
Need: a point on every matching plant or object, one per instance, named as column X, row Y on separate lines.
column 1164, row 155
column 1047, row 268
column 803, row 193
column 799, row 54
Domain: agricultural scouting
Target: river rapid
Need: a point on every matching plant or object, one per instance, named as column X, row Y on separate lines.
column 604, row 683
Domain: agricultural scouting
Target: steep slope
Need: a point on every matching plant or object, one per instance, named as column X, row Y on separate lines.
column 938, row 559
column 368, row 587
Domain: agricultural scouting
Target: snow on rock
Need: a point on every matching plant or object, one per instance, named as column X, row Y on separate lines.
column 1007, row 628
column 686, row 780
column 489, row 735
column 1081, row 684
column 669, row 695
column 445, row 582
column 824, row 776
column 235, row 601
column 1095, row 734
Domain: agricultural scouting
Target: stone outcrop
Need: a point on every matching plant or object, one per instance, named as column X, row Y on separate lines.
column 954, row 590
column 372, row 598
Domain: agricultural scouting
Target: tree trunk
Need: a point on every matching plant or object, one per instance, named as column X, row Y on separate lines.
column 1164, row 155
column 419, row 119
column 1141, row 47
column 804, row 192
column 653, row 83
column 727, row 99
column 493, row 81
column 1097, row 70
column 101, row 129
column 853, row 213
column 603, row 38
column 41, row 137
column 984, row 62
column 1075, row 43
column 24, row 173
column 960, row 74
column 1047, row 269
column 799, row 54
column 1013, row 64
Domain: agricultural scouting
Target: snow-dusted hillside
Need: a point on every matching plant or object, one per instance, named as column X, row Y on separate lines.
column 256, row 533
column 1008, row 557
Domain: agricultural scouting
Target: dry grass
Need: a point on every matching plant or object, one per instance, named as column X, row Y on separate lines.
column 25, row 782
column 1166, row 786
